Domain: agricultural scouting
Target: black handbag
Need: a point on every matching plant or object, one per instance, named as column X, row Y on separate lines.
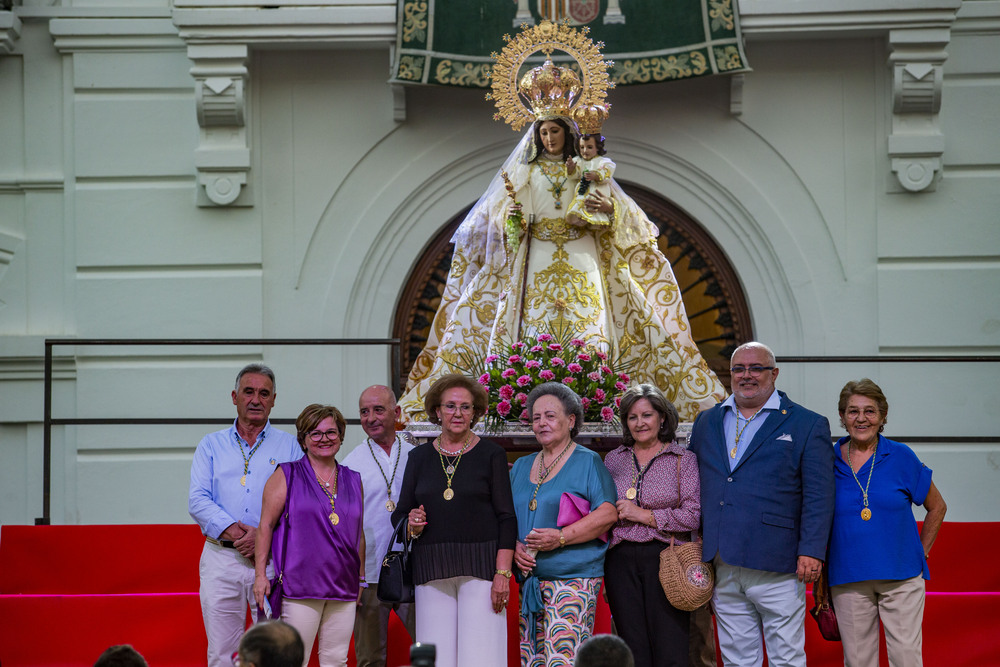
column 395, row 579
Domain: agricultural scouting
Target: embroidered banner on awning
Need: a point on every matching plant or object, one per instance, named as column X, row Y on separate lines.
column 449, row 42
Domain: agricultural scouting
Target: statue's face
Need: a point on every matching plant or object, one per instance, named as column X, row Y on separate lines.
column 553, row 137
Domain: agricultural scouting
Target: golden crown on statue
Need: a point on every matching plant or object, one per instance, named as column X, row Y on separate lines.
column 549, row 90
column 590, row 117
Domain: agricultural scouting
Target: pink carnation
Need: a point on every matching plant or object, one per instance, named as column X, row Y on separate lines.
column 594, row 376
column 555, row 347
column 621, row 386
column 518, row 346
column 618, row 401
column 506, row 392
column 574, row 368
column 599, row 395
column 557, row 361
column 568, row 380
column 523, row 380
column 601, row 355
column 508, row 373
column 537, row 348
column 547, row 375
column 484, row 379
column 583, row 356
column 514, row 358
column 493, row 357
column 521, row 398
column 542, row 338
column 578, row 342
column 607, row 414
column 623, row 377
column 586, row 402
column 503, row 408
column 532, row 364
column 525, row 416
column 606, row 370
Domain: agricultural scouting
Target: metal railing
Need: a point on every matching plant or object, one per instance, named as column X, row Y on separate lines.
column 49, row 421
column 395, row 345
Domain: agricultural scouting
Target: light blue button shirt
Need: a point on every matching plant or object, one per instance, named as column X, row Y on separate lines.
column 216, row 499
column 747, row 430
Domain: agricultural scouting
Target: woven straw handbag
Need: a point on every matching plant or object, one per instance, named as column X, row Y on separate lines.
column 686, row 580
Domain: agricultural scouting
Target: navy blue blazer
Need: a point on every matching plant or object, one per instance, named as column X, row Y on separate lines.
column 777, row 504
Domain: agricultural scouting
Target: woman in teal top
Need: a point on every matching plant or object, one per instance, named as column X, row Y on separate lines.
column 561, row 566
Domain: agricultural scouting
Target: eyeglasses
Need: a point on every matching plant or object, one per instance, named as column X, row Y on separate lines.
column 753, row 370
column 869, row 413
column 455, row 407
column 317, row 436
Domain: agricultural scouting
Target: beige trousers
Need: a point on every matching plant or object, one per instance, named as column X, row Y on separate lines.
column 900, row 607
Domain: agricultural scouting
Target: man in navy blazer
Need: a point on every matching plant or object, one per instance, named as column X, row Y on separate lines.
column 767, row 504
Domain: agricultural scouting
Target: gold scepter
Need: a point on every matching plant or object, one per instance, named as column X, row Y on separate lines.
column 514, row 227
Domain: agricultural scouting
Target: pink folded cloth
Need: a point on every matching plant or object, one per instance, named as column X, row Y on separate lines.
column 572, row 508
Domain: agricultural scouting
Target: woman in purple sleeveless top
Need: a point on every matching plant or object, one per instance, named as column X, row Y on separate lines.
column 311, row 524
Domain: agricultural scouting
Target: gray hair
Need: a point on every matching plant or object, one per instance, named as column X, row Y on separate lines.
column 256, row 369
column 760, row 346
column 572, row 405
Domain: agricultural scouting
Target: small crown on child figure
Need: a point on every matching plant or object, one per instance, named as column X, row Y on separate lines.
column 590, row 117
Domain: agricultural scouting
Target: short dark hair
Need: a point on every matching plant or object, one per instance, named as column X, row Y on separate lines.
column 432, row 400
column 256, row 369
column 272, row 644
column 121, row 655
column 311, row 416
column 668, row 429
column 598, row 142
column 570, row 400
column 604, row 651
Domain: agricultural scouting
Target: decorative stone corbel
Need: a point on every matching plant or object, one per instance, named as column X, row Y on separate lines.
column 10, row 31
column 916, row 143
column 223, row 154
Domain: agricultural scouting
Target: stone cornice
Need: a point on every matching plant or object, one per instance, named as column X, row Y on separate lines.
column 810, row 19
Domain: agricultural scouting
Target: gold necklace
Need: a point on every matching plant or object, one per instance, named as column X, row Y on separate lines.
column 451, row 468
column 739, row 431
column 633, row 490
column 332, row 496
column 557, row 188
column 543, row 472
column 389, row 504
column 866, row 513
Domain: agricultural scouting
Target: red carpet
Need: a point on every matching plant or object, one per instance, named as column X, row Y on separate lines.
column 69, row 592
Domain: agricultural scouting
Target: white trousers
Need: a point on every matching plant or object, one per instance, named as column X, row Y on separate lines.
column 456, row 615
column 226, row 591
column 899, row 605
column 750, row 604
column 333, row 620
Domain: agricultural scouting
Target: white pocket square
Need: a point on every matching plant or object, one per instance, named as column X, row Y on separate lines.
column 785, row 436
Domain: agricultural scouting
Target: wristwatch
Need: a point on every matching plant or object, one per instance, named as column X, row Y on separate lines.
column 562, row 538
column 505, row 573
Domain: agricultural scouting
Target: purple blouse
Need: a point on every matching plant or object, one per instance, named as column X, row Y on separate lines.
column 320, row 561
column 658, row 492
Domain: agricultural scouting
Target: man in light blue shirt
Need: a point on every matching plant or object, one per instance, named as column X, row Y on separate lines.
column 228, row 474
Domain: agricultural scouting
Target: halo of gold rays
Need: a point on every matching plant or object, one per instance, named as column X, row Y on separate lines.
column 546, row 37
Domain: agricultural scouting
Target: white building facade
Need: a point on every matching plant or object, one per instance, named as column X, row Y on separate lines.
column 209, row 169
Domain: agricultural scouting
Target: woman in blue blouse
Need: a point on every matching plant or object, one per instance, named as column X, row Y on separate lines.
column 878, row 558
column 563, row 565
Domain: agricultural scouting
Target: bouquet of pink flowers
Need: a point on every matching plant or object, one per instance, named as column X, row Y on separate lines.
column 586, row 370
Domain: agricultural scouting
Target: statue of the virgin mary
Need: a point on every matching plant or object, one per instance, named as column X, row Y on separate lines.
column 605, row 281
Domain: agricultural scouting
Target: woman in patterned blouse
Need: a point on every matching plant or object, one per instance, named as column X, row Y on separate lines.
column 656, row 500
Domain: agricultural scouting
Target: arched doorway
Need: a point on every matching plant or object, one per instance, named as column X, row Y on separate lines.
column 712, row 293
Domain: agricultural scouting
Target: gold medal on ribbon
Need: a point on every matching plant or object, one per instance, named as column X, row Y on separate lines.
column 449, row 494
column 450, row 470
column 533, row 505
column 334, row 519
column 389, row 505
column 866, row 514
column 630, row 494
column 243, row 480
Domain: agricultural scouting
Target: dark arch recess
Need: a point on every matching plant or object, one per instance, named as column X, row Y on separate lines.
column 713, row 297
